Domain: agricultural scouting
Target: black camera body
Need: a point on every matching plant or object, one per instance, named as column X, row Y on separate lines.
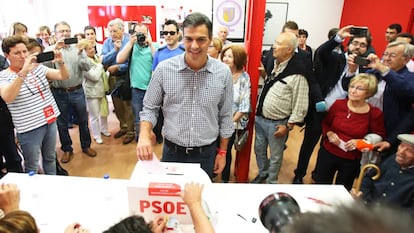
column 141, row 39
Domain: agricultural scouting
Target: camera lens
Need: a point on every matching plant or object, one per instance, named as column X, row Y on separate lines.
column 278, row 210
column 140, row 38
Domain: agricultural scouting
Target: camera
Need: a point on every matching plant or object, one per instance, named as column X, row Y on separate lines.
column 46, row 56
column 73, row 40
column 141, row 38
column 362, row 61
column 359, row 31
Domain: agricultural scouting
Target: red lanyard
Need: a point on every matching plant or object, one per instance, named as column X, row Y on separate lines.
column 32, row 79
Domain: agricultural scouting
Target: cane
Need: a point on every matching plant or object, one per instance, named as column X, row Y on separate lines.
column 361, row 175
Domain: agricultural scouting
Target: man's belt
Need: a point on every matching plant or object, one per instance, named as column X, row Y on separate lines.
column 187, row 150
column 68, row 89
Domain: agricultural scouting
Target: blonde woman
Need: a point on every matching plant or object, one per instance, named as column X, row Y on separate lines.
column 96, row 85
column 215, row 47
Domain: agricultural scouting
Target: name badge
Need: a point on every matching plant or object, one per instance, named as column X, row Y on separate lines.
column 49, row 114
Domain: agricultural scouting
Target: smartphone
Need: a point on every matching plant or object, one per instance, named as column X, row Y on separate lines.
column 46, row 56
column 73, row 40
column 362, row 61
column 359, row 31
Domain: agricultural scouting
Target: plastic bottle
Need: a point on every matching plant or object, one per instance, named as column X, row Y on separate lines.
column 108, row 195
column 33, row 184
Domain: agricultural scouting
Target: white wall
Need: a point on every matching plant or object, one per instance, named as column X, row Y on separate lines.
column 316, row 16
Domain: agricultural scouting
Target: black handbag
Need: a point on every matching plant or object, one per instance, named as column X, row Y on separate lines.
column 240, row 138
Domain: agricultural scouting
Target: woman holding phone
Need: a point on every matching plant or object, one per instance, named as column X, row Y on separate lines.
column 24, row 87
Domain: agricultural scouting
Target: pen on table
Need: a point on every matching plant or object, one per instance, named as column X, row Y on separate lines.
column 176, row 174
column 242, row 217
column 318, row 201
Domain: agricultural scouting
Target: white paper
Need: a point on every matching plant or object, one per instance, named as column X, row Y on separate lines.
column 153, row 166
column 342, row 145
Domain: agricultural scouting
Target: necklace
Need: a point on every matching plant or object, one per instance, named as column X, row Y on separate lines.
column 349, row 114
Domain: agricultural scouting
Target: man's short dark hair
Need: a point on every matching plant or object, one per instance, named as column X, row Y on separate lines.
column 173, row 22
column 407, row 35
column 197, row 19
column 130, row 224
column 292, row 25
column 303, row 32
column 396, row 26
column 332, row 32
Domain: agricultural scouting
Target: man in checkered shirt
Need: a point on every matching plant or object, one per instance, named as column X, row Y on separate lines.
column 195, row 93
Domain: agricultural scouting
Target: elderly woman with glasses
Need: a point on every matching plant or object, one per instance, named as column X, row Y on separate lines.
column 347, row 121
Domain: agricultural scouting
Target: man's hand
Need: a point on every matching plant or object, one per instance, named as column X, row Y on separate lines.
column 117, row 45
column 381, row 146
column 144, row 145
column 281, row 130
column 112, row 69
column 345, row 31
column 158, row 224
column 219, row 164
column 9, row 197
column 352, row 67
column 355, row 195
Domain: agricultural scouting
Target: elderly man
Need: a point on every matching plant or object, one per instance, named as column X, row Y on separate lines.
column 395, row 185
column 222, row 34
column 282, row 103
column 398, row 95
column 195, row 92
column 118, row 79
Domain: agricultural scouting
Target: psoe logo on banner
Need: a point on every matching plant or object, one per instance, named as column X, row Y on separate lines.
column 229, row 13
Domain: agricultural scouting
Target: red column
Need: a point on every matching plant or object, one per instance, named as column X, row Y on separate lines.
column 253, row 43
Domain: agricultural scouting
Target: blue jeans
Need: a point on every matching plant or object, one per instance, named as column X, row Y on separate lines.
column 39, row 141
column 76, row 100
column 206, row 158
column 137, row 104
column 264, row 137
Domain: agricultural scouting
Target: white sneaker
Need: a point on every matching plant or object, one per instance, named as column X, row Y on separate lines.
column 106, row 134
column 99, row 140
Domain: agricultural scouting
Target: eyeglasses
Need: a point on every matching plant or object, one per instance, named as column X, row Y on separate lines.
column 64, row 30
column 164, row 33
column 392, row 55
column 361, row 45
column 358, row 88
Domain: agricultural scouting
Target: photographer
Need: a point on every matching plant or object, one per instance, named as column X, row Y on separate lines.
column 140, row 51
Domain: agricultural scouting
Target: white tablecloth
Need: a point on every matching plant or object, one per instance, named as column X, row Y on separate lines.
column 57, row 201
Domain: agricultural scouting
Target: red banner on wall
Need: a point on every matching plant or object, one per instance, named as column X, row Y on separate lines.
column 99, row 16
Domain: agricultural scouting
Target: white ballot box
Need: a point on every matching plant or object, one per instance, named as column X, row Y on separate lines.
column 154, row 189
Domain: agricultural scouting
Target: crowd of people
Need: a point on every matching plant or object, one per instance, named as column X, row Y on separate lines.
column 194, row 96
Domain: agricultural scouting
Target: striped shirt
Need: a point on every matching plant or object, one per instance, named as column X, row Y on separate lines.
column 288, row 99
column 196, row 105
column 27, row 109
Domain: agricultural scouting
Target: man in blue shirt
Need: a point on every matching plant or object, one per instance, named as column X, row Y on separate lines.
column 171, row 34
column 118, row 79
